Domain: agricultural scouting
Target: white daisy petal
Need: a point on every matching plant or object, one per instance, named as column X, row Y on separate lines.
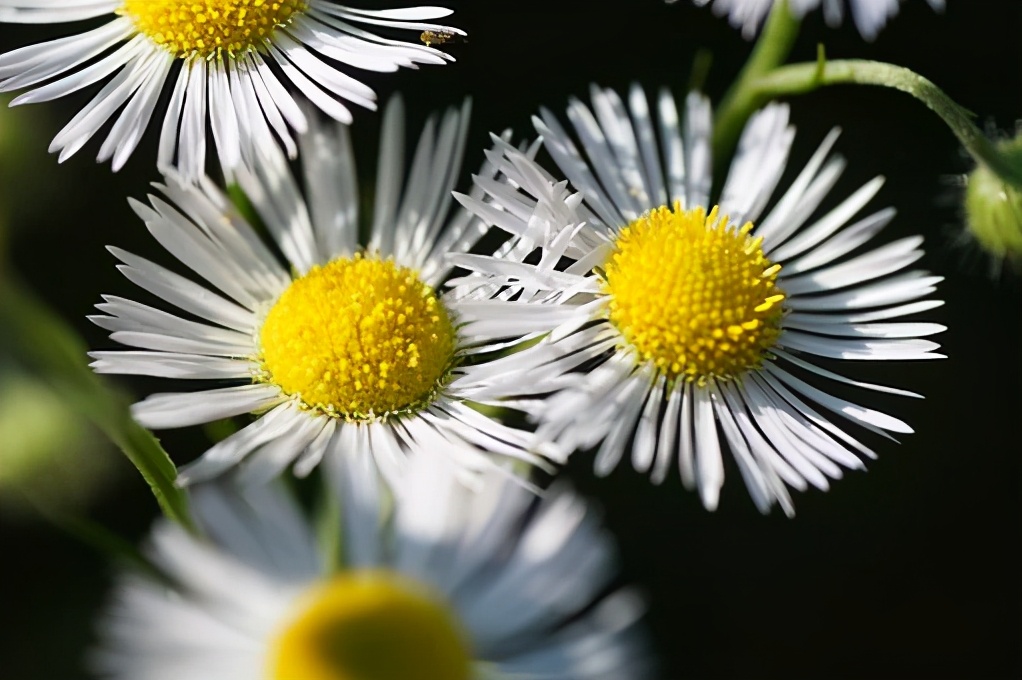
column 562, row 148
column 865, row 416
column 686, row 437
column 32, row 65
column 698, row 157
column 621, row 136
column 127, row 316
column 165, row 364
column 182, row 293
column 270, row 460
column 669, row 429
column 161, row 411
column 804, row 195
column 709, row 466
column 247, row 77
column 626, row 403
column 818, row 320
column 786, row 435
column 43, row 70
column 829, row 223
column 46, row 11
column 99, row 110
column 671, row 147
column 777, row 394
column 252, row 264
column 230, row 451
column 127, row 131
column 842, row 243
column 210, row 261
column 755, row 479
column 644, row 447
column 317, row 449
column 840, row 378
column 759, row 160
column 597, row 146
column 638, row 105
column 176, row 343
column 895, row 290
column 351, row 470
column 774, row 464
column 332, row 186
column 264, row 528
column 882, row 349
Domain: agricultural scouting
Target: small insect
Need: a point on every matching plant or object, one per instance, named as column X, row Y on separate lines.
column 438, row 37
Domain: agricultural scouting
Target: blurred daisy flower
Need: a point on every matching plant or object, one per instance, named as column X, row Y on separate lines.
column 675, row 321
column 235, row 62
column 449, row 585
column 869, row 15
column 346, row 347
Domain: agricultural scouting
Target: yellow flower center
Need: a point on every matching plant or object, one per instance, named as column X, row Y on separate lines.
column 370, row 626
column 208, row 28
column 693, row 296
column 360, row 338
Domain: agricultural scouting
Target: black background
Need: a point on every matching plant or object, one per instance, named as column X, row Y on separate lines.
column 908, row 571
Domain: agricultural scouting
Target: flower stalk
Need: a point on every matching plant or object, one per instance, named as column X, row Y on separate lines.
column 796, row 79
column 740, row 101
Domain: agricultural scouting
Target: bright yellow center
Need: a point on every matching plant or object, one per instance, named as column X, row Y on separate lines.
column 208, row 28
column 370, row 626
column 360, row 338
column 693, row 296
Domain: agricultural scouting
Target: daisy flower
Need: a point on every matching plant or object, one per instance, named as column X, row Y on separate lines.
column 681, row 329
column 869, row 15
column 231, row 61
column 450, row 585
column 348, row 346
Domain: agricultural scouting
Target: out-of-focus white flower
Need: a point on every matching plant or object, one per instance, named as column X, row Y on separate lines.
column 869, row 15
column 450, row 585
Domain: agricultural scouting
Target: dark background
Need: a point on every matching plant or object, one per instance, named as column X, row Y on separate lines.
column 908, row 571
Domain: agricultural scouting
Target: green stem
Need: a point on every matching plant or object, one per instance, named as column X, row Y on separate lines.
column 772, row 48
column 802, row 78
column 33, row 332
column 329, row 524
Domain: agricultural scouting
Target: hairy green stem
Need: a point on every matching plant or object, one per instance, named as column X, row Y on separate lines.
column 802, row 78
column 772, row 48
column 33, row 333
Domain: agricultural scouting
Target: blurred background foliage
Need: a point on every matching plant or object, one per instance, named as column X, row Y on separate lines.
column 910, row 570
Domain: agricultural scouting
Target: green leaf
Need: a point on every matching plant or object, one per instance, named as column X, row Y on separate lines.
column 30, row 331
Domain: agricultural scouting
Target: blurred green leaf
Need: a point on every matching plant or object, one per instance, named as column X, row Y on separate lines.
column 30, row 331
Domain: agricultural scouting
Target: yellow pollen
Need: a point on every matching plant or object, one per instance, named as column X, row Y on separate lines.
column 360, row 338
column 370, row 625
column 692, row 295
column 209, row 28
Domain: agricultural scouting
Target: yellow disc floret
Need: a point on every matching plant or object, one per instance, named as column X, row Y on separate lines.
column 360, row 338
column 370, row 626
column 210, row 28
column 692, row 295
